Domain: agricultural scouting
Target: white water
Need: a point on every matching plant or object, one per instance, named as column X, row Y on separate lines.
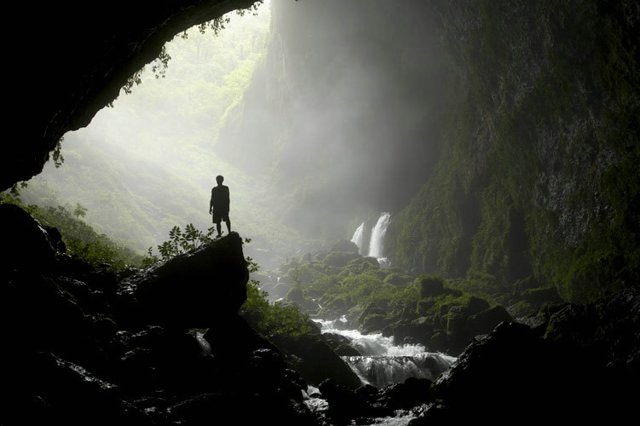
column 376, row 244
column 358, row 237
column 383, row 363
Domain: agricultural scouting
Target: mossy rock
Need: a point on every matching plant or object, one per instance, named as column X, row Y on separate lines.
column 425, row 305
column 431, row 286
column 475, row 305
column 397, row 279
column 340, row 258
column 375, row 323
column 345, row 246
column 541, row 295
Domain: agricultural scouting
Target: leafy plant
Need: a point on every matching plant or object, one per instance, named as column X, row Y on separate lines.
column 79, row 237
column 179, row 242
column 276, row 319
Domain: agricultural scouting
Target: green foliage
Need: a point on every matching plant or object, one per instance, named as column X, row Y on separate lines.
column 79, row 237
column 271, row 320
column 179, row 242
column 430, row 286
column 161, row 63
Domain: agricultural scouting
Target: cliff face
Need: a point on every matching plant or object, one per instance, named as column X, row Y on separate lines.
column 538, row 174
column 504, row 134
column 81, row 57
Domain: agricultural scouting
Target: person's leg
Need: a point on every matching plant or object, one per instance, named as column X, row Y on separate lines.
column 228, row 222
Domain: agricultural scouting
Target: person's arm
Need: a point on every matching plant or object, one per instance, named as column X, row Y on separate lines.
column 228, row 199
column 211, row 203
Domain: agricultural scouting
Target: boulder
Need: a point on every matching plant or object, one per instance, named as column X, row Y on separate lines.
column 374, row 323
column 431, row 286
column 196, row 289
column 397, row 279
column 315, row 361
column 345, row 404
column 25, row 244
column 362, row 264
column 341, row 345
column 483, row 322
column 345, row 246
column 340, row 258
column 406, row 395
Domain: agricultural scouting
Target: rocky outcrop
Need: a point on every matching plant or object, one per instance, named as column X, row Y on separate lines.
column 81, row 346
column 197, row 289
column 25, row 243
column 580, row 371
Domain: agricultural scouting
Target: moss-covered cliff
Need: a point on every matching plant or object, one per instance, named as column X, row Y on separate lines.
column 538, row 174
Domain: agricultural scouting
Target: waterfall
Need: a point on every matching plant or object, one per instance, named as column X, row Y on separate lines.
column 376, row 245
column 385, row 370
column 358, row 237
column 383, row 362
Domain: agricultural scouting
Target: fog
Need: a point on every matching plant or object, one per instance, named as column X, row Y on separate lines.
column 320, row 115
column 345, row 109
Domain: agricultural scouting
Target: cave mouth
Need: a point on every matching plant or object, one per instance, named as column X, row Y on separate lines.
column 161, row 140
column 148, row 161
column 88, row 61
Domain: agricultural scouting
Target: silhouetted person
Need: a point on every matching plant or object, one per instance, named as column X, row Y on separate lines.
column 219, row 204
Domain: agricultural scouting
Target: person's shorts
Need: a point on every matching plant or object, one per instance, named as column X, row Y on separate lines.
column 218, row 216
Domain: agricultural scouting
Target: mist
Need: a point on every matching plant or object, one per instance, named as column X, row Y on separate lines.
column 313, row 134
column 346, row 109
column 149, row 161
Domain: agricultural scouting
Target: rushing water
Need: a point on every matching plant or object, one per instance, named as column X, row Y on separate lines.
column 383, row 363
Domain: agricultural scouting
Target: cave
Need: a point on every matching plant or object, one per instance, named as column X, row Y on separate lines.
column 559, row 239
column 90, row 51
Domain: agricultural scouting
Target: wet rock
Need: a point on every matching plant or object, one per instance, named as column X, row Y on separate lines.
column 66, row 393
column 483, row 322
column 315, row 360
column 375, row 323
column 406, row 395
column 345, row 404
column 240, row 408
column 341, row 345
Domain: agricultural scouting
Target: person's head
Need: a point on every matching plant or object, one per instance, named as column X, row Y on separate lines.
column 219, row 179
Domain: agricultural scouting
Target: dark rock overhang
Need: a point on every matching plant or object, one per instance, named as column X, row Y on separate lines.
column 66, row 60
